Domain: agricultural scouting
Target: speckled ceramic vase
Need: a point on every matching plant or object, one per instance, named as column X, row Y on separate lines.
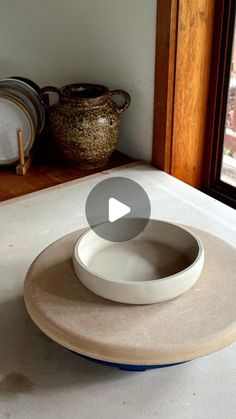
column 85, row 122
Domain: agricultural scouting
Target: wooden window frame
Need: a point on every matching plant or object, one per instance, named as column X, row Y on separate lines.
column 184, row 133
column 217, row 104
column 183, row 56
column 166, row 36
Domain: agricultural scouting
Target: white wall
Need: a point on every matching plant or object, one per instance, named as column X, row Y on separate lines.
column 102, row 41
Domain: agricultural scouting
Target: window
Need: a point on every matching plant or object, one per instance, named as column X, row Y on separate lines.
column 228, row 168
column 195, row 95
column 220, row 162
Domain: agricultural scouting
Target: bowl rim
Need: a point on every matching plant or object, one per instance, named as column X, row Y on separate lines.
column 165, row 279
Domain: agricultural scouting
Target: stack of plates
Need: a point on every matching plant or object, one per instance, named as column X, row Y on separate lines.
column 20, row 109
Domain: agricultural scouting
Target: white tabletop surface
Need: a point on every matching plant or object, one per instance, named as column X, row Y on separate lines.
column 40, row 379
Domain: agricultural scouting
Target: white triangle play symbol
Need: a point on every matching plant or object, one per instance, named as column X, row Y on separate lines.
column 117, row 210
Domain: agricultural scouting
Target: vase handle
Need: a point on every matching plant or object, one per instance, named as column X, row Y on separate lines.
column 125, row 105
column 48, row 89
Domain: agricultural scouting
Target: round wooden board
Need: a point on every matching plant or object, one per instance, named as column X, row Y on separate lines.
column 201, row 321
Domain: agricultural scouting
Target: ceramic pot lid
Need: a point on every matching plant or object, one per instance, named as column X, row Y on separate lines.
column 200, row 321
column 13, row 117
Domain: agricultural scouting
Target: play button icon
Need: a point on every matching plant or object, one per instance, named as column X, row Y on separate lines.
column 117, row 209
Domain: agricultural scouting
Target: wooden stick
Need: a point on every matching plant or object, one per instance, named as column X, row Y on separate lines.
column 20, row 140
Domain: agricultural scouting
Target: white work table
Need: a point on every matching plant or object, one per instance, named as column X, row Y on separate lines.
column 40, row 379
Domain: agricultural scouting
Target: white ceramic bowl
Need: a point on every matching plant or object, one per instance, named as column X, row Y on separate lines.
column 161, row 263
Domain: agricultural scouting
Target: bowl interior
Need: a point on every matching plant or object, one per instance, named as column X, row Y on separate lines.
column 161, row 250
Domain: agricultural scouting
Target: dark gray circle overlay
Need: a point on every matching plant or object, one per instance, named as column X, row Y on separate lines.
column 127, row 192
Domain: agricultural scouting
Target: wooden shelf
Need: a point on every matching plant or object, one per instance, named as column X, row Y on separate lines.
column 47, row 170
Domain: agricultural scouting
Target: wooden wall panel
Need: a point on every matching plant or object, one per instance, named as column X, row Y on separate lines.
column 193, row 58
